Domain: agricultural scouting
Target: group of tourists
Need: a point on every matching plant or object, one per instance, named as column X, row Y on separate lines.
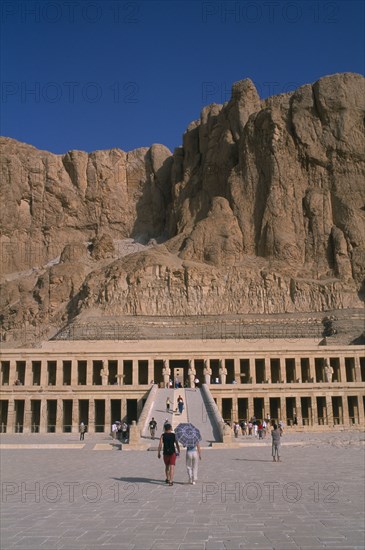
column 180, row 405
column 254, row 427
column 120, row 431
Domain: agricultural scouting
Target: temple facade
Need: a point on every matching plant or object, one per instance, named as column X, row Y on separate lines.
column 53, row 388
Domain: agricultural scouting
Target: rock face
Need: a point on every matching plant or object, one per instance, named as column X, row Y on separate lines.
column 261, row 210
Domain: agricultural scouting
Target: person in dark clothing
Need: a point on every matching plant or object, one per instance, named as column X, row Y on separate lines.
column 170, row 451
column 276, row 434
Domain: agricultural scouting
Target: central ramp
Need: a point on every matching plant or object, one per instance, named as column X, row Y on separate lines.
column 196, row 410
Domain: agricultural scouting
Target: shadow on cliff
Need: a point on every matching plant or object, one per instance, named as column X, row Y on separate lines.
column 154, row 203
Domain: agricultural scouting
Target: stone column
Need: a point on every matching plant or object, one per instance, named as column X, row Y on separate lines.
column 266, row 406
column 312, row 370
column 298, row 369
column 298, row 409
column 28, row 378
column 329, row 410
column 237, row 369
column 235, row 409
column 75, row 416
column 44, row 374
column 357, row 369
column 360, row 408
column 123, row 409
column 267, row 369
column 12, row 372
column 107, row 421
column 314, row 410
column 91, row 424
column 43, row 418
column 74, row 373
column 345, row 411
column 120, row 372
column 150, row 369
column 252, row 369
column 282, row 368
column 11, row 417
column 135, row 380
column 250, row 408
column 59, row 416
column 27, row 421
column 342, row 370
column 283, row 409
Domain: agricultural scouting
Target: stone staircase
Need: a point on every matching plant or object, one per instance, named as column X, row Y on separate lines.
column 195, row 411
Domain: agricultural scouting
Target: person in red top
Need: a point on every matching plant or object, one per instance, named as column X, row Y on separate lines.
column 171, row 450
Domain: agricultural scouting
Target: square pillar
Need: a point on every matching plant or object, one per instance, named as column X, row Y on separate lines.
column 283, row 413
column 298, row 371
column 357, row 369
column 312, row 369
column 75, row 415
column 74, row 374
column 360, row 408
column 108, row 423
column 282, row 368
column 135, row 380
column 27, row 428
column 44, row 374
column 150, row 370
column 123, row 406
column 12, row 372
column 250, row 409
column 236, row 369
column 342, row 370
column 235, row 408
column 345, row 411
column 43, row 417
column 120, row 372
column 89, row 372
column 59, row 416
column 91, row 424
column 11, row 417
column 329, row 410
column 28, row 378
column 298, row 410
column 267, row 406
column 267, row 369
column 314, row 410
column 252, row 369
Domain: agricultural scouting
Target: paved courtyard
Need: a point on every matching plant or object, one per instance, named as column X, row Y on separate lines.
column 78, row 497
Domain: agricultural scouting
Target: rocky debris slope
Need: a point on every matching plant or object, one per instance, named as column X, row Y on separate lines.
column 261, row 210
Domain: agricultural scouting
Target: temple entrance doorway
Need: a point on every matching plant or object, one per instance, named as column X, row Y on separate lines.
column 179, row 371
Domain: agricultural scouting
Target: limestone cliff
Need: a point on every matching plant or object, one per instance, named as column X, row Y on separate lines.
column 261, row 210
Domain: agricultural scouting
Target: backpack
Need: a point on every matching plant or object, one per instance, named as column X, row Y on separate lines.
column 168, row 445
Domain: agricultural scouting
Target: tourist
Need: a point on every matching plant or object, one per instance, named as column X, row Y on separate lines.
column 255, row 428
column 168, row 404
column 260, row 430
column 153, row 426
column 236, row 429
column 250, row 426
column 123, row 429
column 170, row 451
column 196, row 382
column 180, row 404
column 82, row 431
column 276, row 435
column 114, row 431
column 264, row 427
column 244, row 427
column 193, row 455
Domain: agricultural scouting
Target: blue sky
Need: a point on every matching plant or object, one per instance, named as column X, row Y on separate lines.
column 100, row 74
